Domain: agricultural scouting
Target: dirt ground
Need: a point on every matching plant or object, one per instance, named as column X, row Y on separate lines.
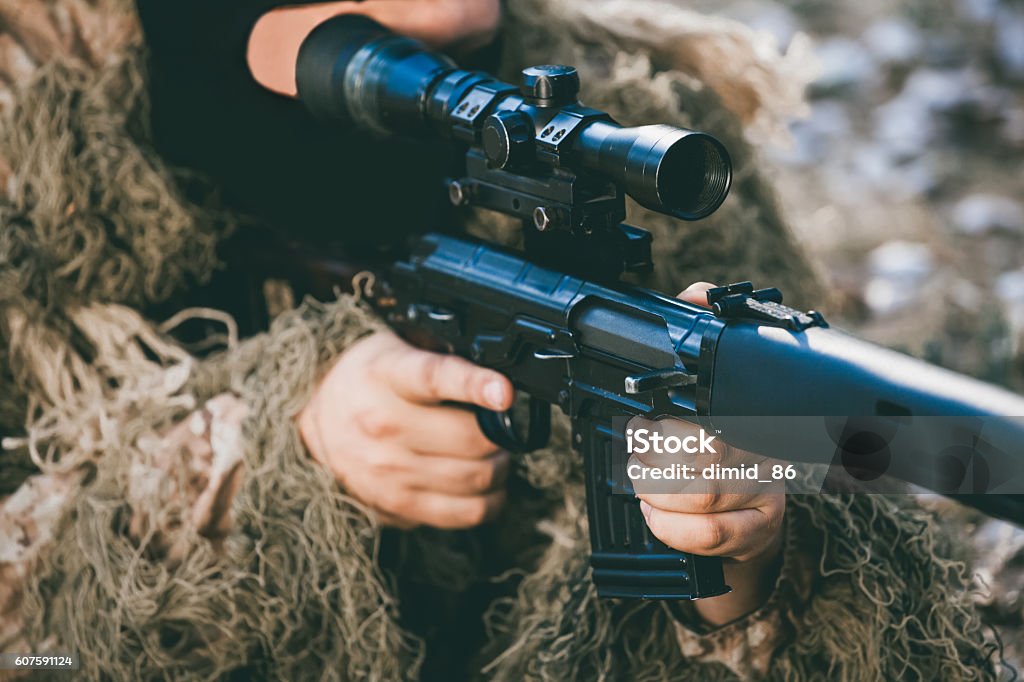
column 907, row 183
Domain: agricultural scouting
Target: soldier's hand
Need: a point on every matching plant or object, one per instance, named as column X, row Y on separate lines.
column 741, row 523
column 451, row 24
column 378, row 422
column 733, row 519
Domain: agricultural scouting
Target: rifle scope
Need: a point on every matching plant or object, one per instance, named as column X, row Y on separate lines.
column 352, row 70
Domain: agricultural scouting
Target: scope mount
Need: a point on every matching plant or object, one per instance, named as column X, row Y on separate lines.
column 569, row 221
column 521, row 168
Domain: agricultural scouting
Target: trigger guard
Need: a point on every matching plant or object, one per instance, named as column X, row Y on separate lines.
column 499, row 428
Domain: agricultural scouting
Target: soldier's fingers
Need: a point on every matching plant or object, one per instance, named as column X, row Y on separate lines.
column 428, row 430
column 696, row 293
column 443, row 511
column 708, row 500
column 430, row 378
column 739, row 534
column 459, row 476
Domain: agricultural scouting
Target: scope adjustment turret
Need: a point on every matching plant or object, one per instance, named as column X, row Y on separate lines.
column 550, row 85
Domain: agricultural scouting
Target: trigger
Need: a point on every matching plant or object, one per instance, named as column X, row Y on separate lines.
column 501, row 430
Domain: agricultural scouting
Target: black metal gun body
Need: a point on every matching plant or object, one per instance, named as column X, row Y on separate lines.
column 567, row 333
column 574, row 344
column 605, row 352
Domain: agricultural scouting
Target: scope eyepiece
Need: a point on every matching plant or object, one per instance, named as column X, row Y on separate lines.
column 352, row 70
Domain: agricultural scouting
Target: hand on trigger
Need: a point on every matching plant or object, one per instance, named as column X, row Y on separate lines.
column 379, row 422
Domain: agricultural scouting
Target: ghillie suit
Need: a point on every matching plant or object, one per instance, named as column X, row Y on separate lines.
column 165, row 520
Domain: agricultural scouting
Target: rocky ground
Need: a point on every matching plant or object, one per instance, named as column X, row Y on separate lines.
column 907, row 182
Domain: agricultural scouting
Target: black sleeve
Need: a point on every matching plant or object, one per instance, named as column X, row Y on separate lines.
column 266, row 154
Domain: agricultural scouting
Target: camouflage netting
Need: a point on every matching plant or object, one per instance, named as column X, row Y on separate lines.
column 294, row 586
column 93, row 225
column 88, row 214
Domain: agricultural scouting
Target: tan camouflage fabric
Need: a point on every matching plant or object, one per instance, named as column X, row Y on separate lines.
column 747, row 646
column 35, row 33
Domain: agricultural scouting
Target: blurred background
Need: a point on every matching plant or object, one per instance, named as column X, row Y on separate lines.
column 906, row 181
column 907, row 178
